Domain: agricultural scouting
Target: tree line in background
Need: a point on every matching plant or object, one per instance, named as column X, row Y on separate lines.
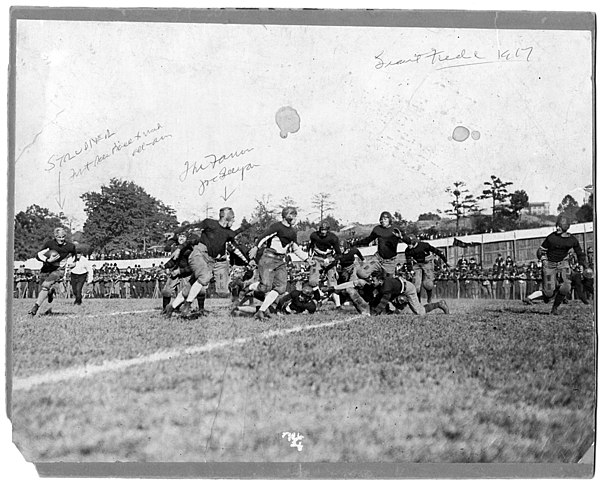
column 123, row 217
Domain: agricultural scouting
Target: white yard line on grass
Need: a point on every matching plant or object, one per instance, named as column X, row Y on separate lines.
column 116, row 365
column 141, row 311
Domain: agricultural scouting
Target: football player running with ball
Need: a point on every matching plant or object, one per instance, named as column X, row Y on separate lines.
column 556, row 270
column 54, row 255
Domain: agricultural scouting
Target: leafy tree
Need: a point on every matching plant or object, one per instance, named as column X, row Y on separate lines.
column 399, row 220
column 462, row 202
column 123, row 216
column 569, row 207
column 586, row 212
column 323, row 203
column 33, row 227
column 429, row 216
column 264, row 213
column 288, row 202
column 518, row 201
column 498, row 193
column 333, row 223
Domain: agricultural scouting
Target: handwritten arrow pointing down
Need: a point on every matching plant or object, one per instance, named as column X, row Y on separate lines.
column 226, row 196
column 60, row 204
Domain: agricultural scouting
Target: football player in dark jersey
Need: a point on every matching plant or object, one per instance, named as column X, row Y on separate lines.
column 279, row 239
column 299, row 301
column 387, row 238
column 323, row 246
column 400, row 293
column 422, row 254
column 208, row 257
column 556, row 270
column 54, row 255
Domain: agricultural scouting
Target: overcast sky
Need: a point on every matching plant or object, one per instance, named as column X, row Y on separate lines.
column 384, row 118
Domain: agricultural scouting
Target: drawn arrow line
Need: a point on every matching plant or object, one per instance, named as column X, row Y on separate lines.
column 226, row 197
column 61, row 205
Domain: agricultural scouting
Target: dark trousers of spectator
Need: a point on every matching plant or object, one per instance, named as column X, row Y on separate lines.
column 77, row 282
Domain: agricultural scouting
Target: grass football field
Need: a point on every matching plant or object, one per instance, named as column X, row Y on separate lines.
column 494, row 381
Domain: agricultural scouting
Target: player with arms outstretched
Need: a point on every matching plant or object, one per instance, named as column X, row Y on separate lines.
column 422, row 254
column 387, row 238
column 208, row 257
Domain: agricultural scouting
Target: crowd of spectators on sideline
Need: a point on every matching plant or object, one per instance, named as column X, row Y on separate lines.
column 506, row 279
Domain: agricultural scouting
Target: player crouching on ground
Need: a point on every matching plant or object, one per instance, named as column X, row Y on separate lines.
column 556, row 270
column 400, row 293
column 299, row 301
column 54, row 255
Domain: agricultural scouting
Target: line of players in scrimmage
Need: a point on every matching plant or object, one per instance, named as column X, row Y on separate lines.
column 371, row 286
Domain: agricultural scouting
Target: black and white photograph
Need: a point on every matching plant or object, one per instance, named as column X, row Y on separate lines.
column 352, row 243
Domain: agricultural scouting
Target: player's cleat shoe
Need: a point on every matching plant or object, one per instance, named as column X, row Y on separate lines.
column 33, row 311
column 585, row 301
column 186, row 309
column 554, row 311
column 527, row 301
column 48, row 312
column 262, row 315
column 443, row 305
column 168, row 311
column 51, row 293
column 338, row 308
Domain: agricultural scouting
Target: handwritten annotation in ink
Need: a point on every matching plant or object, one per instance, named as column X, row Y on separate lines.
column 97, row 149
column 212, row 171
column 444, row 60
